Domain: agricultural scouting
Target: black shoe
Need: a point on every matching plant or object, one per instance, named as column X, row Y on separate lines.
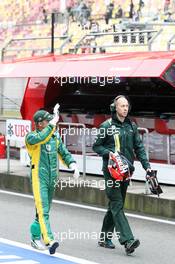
column 53, row 246
column 131, row 245
column 107, row 244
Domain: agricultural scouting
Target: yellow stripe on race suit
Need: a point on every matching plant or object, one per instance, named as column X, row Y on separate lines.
column 37, row 195
column 117, row 142
column 32, row 148
column 116, row 138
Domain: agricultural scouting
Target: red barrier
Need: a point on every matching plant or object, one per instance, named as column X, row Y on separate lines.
column 2, row 147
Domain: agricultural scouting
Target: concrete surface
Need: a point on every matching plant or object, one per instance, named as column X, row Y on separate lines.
column 78, row 230
column 91, row 190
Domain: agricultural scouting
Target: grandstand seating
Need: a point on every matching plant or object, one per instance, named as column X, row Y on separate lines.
column 24, row 19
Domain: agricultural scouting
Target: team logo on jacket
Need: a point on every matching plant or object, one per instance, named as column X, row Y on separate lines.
column 48, row 147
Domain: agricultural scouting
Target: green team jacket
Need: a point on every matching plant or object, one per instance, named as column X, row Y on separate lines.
column 43, row 148
column 124, row 137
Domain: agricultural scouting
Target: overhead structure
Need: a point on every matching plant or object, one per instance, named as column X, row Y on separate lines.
column 85, row 85
column 88, row 82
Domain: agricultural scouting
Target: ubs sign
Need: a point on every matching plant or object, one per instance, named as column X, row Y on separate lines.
column 17, row 129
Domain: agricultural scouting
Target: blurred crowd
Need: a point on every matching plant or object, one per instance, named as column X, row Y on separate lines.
column 81, row 11
column 77, row 18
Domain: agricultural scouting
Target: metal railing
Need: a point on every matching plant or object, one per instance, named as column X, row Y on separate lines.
column 67, row 41
column 64, row 135
column 7, row 48
column 146, row 132
column 148, row 37
column 170, row 42
column 151, row 41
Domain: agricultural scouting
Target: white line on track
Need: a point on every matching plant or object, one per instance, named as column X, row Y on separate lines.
column 57, row 255
column 93, row 208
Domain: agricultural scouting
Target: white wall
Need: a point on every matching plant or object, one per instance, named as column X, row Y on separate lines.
column 11, row 93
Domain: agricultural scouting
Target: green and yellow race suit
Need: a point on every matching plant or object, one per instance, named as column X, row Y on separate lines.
column 43, row 148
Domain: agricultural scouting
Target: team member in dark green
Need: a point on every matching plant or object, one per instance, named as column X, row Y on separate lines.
column 44, row 145
column 118, row 134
